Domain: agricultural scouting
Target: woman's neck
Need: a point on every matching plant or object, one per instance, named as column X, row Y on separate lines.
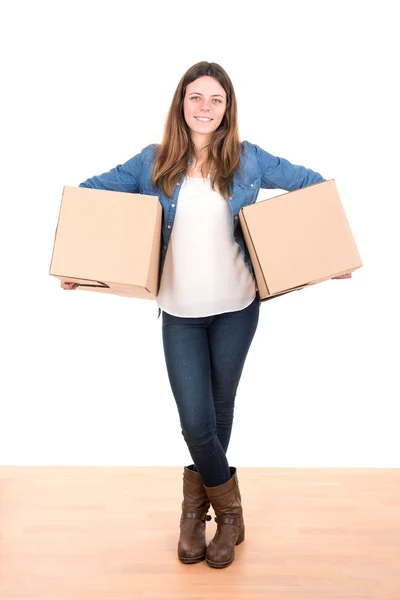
column 200, row 147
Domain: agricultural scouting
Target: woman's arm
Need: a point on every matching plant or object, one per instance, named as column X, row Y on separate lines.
column 279, row 173
column 122, row 178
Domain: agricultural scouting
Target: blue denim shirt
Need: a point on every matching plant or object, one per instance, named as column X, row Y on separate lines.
column 260, row 170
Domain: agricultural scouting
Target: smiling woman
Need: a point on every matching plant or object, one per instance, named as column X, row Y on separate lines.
column 203, row 175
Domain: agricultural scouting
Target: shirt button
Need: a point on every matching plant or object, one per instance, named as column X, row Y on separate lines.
column 252, row 185
column 230, row 197
column 236, row 217
column 173, row 205
column 169, row 226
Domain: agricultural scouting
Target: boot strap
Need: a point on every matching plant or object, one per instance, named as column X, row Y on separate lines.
column 197, row 515
column 228, row 520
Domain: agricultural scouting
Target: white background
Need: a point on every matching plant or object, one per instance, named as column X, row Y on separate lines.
column 86, row 86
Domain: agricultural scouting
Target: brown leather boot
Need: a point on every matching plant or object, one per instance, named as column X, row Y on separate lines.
column 227, row 504
column 192, row 541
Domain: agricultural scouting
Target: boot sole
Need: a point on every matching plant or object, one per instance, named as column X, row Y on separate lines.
column 219, row 565
column 192, row 560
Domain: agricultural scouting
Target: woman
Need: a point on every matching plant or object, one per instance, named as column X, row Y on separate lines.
column 208, row 294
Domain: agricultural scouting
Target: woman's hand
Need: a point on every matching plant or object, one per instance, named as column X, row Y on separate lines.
column 345, row 276
column 69, row 285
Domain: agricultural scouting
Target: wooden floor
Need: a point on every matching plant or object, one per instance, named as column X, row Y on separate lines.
column 110, row 533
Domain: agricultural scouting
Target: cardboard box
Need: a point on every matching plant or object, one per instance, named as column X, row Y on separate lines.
column 108, row 242
column 298, row 239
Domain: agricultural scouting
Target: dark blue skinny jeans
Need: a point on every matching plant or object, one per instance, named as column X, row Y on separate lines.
column 205, row 358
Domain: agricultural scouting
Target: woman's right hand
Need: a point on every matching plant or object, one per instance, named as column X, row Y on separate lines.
column 69, row 285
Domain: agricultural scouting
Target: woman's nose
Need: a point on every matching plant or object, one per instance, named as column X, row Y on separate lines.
column 205, row 105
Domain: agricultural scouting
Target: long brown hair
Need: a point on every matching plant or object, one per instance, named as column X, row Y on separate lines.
column 176, row 148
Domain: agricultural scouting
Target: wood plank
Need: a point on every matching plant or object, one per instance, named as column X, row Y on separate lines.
column 110, row 533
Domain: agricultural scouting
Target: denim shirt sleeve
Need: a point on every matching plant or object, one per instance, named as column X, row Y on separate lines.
column 279, row 173
column 122, row 178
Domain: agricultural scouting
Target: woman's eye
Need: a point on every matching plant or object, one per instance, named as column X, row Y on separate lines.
column 217, row 99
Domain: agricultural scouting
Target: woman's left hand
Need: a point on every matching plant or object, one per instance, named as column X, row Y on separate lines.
column 345, row 276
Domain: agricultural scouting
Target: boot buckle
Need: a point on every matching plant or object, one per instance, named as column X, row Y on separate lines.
column 227, row 520
column 197, row 515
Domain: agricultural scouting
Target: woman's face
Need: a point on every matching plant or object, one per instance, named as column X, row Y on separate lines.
column 204, row 106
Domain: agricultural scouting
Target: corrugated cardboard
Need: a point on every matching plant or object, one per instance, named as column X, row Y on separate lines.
column 108, row 242
column 298, row 239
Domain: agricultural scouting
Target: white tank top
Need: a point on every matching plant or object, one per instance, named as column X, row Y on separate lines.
column 204, row 272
